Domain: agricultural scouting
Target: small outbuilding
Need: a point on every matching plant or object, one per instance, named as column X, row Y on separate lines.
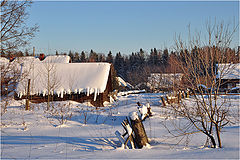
column 229, row 74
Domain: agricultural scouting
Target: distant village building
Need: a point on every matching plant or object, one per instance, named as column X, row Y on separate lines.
column 229, row 74
column 66, row 81
column 164, row 81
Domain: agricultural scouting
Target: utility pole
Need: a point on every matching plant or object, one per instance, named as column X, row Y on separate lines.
column 28, row 93
column 33, row 51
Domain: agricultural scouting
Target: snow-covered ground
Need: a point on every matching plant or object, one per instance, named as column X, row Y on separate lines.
column 89, row 133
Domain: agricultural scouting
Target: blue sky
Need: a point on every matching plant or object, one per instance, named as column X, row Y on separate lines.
column 121, row 26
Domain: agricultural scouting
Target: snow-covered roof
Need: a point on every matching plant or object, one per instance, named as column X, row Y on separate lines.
column 57, row 59
column 166, row 75
column 66, row 78
column 28, row 59
column 228, row 71
column 123, row 83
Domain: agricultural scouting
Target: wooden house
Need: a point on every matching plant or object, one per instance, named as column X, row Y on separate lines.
column 164, row 81
column 79, row 82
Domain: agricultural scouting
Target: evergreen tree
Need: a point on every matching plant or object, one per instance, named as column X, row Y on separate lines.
column 151, row 60
column 141, row 58
column 76, row 57
column 119, row 64
column 141, row 54
column 93, row 56
column 101, row 58
column 165, row 57
column 154, row 57
column 70, row 54
column 109, row 57
column 83, row 57
column 132, row 62
column 26, row 53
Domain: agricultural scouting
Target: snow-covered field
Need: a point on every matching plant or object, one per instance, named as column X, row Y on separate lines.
column 89, row 133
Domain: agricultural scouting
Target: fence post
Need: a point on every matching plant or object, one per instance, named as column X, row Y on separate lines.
column 28, row 93
column 163, row 101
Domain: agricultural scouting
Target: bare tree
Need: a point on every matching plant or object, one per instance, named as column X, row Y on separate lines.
column 199, row 61
column 14, row 31
column 11, row 74
column 49, row 79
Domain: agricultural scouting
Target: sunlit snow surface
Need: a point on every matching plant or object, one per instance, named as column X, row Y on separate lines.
column 38, row 134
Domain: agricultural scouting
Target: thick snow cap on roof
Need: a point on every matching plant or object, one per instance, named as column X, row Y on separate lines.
column 57, row 59
column 228, row 71
column 66, row 78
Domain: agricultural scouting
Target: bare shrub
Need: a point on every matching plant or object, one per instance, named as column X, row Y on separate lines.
column 61, row 112
column 200, row 58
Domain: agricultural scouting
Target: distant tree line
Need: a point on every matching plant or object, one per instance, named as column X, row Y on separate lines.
column 136, row 67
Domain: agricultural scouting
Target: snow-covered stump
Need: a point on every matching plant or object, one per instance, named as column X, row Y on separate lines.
column 149, row 110
column 144, row 110
column 141, row 138
column 168, row 100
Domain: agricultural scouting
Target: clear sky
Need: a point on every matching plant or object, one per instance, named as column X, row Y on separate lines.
column 121, row 26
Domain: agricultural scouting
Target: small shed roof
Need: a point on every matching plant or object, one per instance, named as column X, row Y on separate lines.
column 123, row 83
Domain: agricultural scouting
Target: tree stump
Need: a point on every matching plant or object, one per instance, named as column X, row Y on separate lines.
column 179, row 97
column 140, row 133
